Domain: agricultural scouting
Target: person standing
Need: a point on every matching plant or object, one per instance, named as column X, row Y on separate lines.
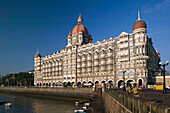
column 136, row 90
column 128, row 89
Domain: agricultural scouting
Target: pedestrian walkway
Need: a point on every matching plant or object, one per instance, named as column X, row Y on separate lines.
column 96, row 103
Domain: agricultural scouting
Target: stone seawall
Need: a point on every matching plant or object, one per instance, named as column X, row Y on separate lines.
column 76, row 93
column 111, row 105
column 117, row 102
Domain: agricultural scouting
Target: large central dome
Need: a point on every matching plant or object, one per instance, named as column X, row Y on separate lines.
column 80, row 27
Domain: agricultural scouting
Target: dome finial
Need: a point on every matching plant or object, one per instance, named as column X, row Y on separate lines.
column 138, row 15
column 37, row 50
column 80, row 20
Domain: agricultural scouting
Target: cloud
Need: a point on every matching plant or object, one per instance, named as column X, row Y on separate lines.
column 158, row 6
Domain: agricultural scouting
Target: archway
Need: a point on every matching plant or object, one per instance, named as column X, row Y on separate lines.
column 110, row 83
column 68, row 84
column 49, row 84
column 43, row 84
column 37, row 84
column 140, row 82
column 53, row 84
column 84, row 82
column 40, row 84
column 65, row 84
column 79, row 84
column 103, row 83
column 91, row 82
column 120, row 84
column 46, row 84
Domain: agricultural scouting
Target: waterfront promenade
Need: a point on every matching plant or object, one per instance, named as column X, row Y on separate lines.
column 114, row 100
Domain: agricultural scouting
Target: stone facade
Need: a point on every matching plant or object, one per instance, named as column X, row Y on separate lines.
column 82, row 61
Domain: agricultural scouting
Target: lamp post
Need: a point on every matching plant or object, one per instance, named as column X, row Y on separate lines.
column 165, row 64
column 76, row 63
column 145, row 79
column 124, row 79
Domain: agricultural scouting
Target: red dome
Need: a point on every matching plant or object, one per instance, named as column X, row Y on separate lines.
column 158, row 53
column 139, row 24
column 69, row 34
column 37, row 55
column 80, row 28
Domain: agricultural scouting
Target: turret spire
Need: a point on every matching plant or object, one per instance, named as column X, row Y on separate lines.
column 80, row 20
column 37, row 50
column 138, row 15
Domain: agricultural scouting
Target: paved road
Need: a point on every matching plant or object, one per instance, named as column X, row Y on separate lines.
column 154, row 96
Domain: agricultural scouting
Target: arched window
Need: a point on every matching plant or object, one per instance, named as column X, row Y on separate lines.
column 119, row 73
column 126, row 73
column 131, row 72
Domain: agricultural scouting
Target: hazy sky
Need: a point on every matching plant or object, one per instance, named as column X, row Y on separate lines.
column 26, row 25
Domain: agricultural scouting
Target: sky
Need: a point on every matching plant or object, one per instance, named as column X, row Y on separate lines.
column 26, row 25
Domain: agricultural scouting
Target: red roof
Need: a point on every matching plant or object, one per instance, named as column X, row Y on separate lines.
column 37, row 55
column 80, row 28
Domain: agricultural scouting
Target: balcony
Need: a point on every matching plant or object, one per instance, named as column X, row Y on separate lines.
column 83, row 70
column 110, row 67
column 102, row 62
column 60, row 68
column 103, row 68
column 96, row 69
column 78, row 65
column 109, row 61
column 96, row 63
column 78, row 60
column 60, row 63
column 78, row 70
column 109, row 54
column 89, row 58
column 83, row 64
column 96, row 57
column 89, row 69
column 83, row 59
column 89, row 64
column 102, row 55
column 57, row 64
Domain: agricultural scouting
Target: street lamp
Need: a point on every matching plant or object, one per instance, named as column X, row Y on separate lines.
column 124, row 79
column 76, row 63
column 165, row 64
column 145, row 79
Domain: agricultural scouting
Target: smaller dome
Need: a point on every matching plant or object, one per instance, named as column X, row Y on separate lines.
column 139, row 24
column 69, row 35
column 158, row 53
column 37, row 55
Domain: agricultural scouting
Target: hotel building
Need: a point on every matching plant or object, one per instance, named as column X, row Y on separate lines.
column 82, row 61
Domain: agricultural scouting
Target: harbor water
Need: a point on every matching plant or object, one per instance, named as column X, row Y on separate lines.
column 26, row 104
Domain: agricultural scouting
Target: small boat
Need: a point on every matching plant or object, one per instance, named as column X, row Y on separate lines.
column 8, row 105
column 3, row 102
column 79, row 102
column 84, row 107
column 86, row 104
column 79, row 111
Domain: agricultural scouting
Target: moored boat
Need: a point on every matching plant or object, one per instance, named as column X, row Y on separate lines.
column 79, row 102
column 8, row 105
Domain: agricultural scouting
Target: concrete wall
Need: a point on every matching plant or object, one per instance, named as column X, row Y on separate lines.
column 115, row 100
column 79, row 93
column 113, row 106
